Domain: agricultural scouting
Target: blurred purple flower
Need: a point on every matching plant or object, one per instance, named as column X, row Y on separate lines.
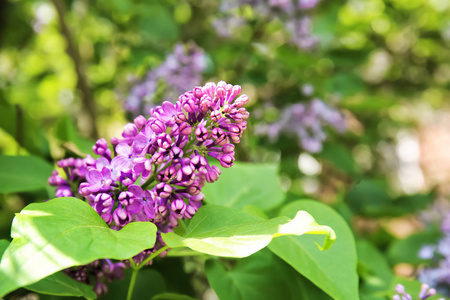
column 305, row 121
column 182, row 70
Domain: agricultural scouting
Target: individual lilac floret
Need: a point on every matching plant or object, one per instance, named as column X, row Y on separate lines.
column 181, row 71
column 306, row 121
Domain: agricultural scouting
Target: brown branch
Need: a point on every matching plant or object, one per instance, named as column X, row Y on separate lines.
column 88, row 102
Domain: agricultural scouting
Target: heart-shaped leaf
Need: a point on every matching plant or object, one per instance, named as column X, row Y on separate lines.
column 223, row 231
column 246, row 184
column 61, row 233
column 334, row 271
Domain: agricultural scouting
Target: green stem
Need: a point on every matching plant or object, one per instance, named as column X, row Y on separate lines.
column 152, row 256
column 153, row 176
column 132, row 282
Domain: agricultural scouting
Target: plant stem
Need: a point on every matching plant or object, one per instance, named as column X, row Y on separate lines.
column 132, row 282
column 136, row 269
column 152, row 256
column 154, row 174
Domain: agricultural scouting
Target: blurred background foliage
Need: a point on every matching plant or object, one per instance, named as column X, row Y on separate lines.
column 66, row 68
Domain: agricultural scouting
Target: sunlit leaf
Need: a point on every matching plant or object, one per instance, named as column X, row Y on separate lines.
column 3, row 245
column 65, row 232
column 224, row 231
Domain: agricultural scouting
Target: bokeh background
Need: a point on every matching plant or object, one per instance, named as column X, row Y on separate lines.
column 350, row 98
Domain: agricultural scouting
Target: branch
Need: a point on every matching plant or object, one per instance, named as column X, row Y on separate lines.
column 87, row 98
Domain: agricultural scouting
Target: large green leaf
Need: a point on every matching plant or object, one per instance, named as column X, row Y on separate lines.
column 65, row 232
column 223, row 231
column 246, row 184
column 334, row 271
column 23, row 173
column 60, row 284
column 260, row 276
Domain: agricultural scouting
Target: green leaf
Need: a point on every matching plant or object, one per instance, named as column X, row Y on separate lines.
column 172, row 296
column 223, row 231
column 3, row 245
column 246, row 184
column 65, row 232
column 31, row 135
column 373, row 268
column 67, row 132
column 23, row 173
column 407, row 250
column 340, row 157
column 60, row 284
column 334, row 271
column 260, row 276
column 369, row 197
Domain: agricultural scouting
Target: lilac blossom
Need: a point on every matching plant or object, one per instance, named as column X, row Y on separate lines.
column 305, row 121
column 159, row 166
column 182, row 70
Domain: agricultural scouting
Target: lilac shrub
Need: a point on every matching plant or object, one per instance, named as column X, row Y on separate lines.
column 295, row 16
column 181, row 71
column 306, row 122
column 158, row 167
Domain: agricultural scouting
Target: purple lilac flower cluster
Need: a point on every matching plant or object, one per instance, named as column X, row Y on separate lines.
column 294, row 14
column 160, row 164
column 438, row 275
column 306, row 121
column 181, row 71
column 425, row 293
